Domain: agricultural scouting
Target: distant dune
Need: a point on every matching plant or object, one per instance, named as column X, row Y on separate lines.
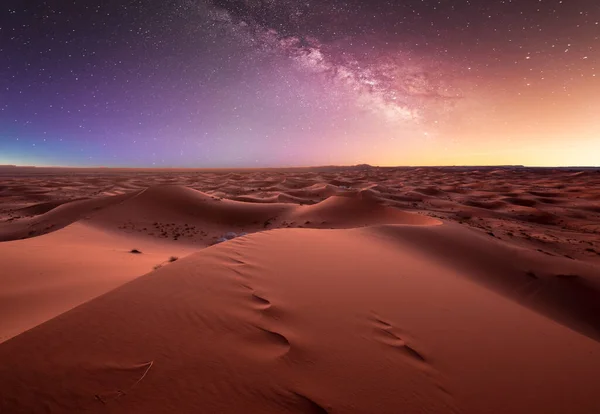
column 358, row 290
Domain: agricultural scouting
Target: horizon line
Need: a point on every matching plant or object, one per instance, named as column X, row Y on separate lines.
column 361, row 165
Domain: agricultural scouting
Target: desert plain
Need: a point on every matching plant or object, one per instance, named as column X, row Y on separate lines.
column 317, row 290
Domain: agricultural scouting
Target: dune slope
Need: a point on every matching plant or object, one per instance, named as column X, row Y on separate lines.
column 323, row 321
column 44, row 218
column 44, row 276
column 69, row 253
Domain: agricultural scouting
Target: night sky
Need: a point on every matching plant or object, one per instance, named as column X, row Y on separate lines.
column 245, row 83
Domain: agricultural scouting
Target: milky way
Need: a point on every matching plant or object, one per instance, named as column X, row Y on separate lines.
column 226, row 83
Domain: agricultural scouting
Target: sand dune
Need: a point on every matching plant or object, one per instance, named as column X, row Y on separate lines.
column 51, row 218
column 173, row 211
column 562, row 289
column 353, row 211
column 304, row 321
column 45, row 276
column 327, row 291
column 161, row 221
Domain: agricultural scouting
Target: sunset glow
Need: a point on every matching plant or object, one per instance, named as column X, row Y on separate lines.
column 230, row 83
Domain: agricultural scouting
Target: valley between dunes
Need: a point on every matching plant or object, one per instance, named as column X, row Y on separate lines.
column 325, row 291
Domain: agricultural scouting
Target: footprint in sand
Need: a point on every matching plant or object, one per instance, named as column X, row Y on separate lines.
column 261, row 302
column 386, row 334
column 296, row 401
column 274, row 339
column 277, row 338
column 266, row 343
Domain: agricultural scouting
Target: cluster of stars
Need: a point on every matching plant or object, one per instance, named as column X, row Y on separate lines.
column 236, row 82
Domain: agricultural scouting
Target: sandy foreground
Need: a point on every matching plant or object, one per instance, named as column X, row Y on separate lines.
column 361, row 290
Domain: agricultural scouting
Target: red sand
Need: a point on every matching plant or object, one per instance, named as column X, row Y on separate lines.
column 389, row 311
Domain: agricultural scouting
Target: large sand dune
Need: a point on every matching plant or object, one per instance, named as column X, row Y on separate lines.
column 341, row 291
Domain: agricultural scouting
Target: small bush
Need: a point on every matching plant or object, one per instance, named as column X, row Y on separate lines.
column 135, row 251
column 173, row 258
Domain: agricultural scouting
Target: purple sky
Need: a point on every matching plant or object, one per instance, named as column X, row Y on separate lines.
column 195, row 83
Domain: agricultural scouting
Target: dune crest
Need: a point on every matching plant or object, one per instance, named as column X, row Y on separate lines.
column 173, row 210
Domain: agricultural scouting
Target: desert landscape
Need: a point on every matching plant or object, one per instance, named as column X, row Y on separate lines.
column 308, row 290
column 326, row 207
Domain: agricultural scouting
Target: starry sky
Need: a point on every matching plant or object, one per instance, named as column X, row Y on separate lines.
column 252, row 83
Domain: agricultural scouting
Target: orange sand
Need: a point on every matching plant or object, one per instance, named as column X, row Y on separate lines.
column 386, row 291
